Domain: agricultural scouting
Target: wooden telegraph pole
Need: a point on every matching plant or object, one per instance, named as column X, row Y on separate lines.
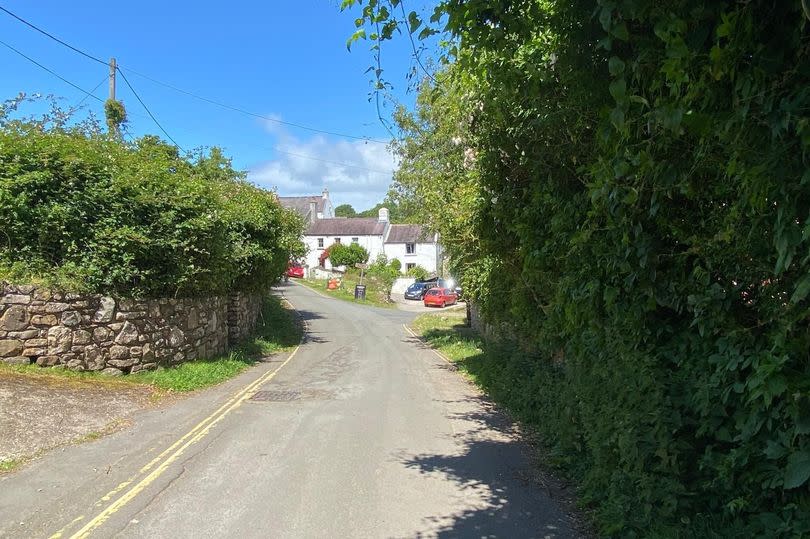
column 112, row 78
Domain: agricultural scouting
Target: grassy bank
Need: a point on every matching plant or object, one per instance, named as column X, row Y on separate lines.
column 278, row 330
column 375, row 292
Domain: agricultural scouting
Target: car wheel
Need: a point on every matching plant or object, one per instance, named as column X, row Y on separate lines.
column 444, row 304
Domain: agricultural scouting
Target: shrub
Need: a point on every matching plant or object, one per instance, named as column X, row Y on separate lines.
column 418, row 272
column 134, row 218
column 635, row 186
column 347, row 255
column 396, row 264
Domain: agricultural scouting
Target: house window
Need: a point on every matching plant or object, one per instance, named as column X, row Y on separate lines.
column 355, row 240
column 337, row 240
column 410, row 248
column 409, row 266
column 320, row 243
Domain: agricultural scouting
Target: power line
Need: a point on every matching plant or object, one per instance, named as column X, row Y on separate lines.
column 186, row 92
column 249, row 113
column 92, row 93
column 147, row 110
column 41, row 31
column 55, row 74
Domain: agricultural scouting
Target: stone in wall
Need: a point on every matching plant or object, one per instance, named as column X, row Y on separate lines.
column 101, row 333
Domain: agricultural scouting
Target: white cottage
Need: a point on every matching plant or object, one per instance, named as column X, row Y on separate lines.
column 407, row 243
column 410, row 244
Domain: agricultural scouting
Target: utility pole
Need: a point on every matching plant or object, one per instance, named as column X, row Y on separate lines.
column 112, row 78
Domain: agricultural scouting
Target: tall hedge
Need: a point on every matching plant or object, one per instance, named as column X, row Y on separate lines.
column 634, row 177
column 89, row 212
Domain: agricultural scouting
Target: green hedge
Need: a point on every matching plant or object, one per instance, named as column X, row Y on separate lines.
column 88, row 212
column 630, row 187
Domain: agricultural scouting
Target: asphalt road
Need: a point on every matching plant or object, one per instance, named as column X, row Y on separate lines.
column 362, row 432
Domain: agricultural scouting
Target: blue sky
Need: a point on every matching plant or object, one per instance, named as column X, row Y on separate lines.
column 283, row 60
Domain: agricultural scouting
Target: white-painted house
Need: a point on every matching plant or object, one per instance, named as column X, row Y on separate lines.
column 410, row 244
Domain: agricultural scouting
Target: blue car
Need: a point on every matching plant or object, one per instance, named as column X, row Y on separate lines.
column 417, row 290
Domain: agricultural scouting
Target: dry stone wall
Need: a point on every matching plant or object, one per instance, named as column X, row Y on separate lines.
column 115, row 336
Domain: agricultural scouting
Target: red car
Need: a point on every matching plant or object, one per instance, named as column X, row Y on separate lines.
column 440, row 297
column 295, row 270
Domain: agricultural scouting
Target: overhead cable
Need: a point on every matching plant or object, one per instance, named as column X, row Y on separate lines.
column 149, row 112
column 43, row 32
column 55, row 74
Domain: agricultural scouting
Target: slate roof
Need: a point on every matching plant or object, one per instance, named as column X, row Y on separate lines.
column 301, row 204
column 408, row 234
column 346, row 226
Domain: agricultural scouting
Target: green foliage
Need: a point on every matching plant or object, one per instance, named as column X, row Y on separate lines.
column 347, row 255
column 627, row 188
column 396, row 264
column 116, row 116
column 398, row 211
column 345, row 210
column 98, row 214
column 418, row 272
column 384, row 273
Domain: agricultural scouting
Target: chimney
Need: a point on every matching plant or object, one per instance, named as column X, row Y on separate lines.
column 312, row 214
column 382, row 215
column 325, row 193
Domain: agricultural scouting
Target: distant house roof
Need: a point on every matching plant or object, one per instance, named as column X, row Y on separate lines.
column 301, row 204
column 346, row 226
column 408, row 234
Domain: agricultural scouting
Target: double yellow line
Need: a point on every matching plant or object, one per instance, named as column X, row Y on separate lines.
column 171, row 454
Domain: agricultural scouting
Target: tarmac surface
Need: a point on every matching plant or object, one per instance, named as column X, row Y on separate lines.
column 361, row 432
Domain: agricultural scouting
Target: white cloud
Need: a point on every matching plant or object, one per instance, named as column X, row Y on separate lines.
column 356, row 172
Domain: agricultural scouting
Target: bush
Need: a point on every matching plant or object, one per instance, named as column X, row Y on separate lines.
column 418, row 272
column 384, row 273
column 134, row 219
column 347, row 255
column 635, row 184
column 396, row 264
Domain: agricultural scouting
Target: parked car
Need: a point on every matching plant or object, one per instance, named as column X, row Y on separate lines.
column 417, row 290
column 295, row 270
column 440, row 297
column 445, row 283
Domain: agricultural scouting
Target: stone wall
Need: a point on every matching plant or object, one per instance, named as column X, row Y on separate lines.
column 243, row 313
column 101, row 333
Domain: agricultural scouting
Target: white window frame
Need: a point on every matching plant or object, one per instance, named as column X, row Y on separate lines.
column 410, row 248
column 320, row 243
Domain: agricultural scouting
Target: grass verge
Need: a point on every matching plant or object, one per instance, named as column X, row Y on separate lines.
column 448, row 333
column 375, row 294
column 278, row 330
column 8, row 465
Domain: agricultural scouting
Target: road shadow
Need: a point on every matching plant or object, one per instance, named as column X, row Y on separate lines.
column 509, row 495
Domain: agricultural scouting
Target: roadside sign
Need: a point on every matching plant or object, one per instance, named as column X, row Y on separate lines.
column 358, row 265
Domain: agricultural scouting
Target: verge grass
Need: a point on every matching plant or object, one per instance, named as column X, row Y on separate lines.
column 278, row 330
column 374, row 290
column 9, row 464
column 448, row 333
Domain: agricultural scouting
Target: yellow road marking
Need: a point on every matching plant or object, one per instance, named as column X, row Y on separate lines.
column 199, row 431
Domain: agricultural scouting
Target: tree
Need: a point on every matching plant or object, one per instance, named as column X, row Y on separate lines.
column 347, row 255
column 636, row 176
column 345, row 210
